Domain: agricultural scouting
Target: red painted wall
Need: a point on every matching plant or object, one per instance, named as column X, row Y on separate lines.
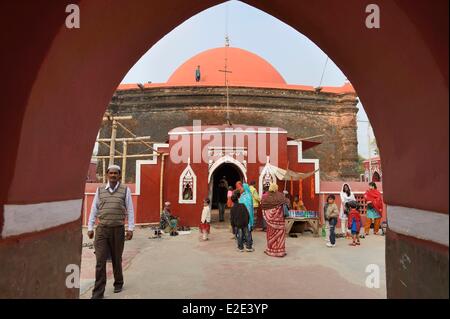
column 148, row 202
column 189, row 214
column 52, row 110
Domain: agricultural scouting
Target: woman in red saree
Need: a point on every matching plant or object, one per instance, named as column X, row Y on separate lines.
column 273, row 212
column 374, row 202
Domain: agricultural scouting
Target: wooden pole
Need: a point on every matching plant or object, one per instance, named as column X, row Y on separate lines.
column 134, row 135
column 124, row 139
column 308, row 138
column 124, row 161
column 113, row 142
column 106, row 144
column 128, row 156
column 110, row 117
column 285, row 181
column 103, row 171
column 161, row 180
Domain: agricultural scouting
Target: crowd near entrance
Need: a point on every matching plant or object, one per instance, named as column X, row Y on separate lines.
column 224, row 177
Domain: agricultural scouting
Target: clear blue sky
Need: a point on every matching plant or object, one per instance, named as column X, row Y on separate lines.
column 296, row 57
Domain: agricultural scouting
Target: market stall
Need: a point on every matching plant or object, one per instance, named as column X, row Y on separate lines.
column 297, row 221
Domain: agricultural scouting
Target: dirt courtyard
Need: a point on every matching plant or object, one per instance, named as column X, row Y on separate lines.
column 187, row 268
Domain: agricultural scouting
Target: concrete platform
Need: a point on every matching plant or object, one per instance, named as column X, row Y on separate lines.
column 185, row 267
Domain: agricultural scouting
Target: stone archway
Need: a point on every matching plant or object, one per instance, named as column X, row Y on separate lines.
column 232, row 173
column 224, row 160
column 52, row 117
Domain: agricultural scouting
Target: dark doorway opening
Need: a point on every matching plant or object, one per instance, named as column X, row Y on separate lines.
column 376, row 177
column 232, row 175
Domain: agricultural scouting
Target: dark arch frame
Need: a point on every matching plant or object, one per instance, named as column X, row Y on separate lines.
column 56, row 96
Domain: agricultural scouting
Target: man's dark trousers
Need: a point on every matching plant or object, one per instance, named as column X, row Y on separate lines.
column 108, row 239
column 221, row 211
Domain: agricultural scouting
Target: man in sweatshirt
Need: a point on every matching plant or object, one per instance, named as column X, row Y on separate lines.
column 239, row 221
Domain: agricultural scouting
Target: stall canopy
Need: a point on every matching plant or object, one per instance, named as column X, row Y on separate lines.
column 287, row 175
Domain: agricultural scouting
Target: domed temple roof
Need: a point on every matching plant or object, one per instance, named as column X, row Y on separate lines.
column 245, row 67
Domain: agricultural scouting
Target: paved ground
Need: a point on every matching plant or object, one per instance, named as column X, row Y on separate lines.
column 185, row 267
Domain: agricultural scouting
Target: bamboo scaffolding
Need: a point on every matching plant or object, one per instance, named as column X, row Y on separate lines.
column 106, row 144
column 134, row 135
column 124, row 161
column 128, row 156
column 109, row 117
column 124, row 139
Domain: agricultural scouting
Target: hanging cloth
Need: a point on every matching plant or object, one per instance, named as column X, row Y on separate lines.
column 286, row 174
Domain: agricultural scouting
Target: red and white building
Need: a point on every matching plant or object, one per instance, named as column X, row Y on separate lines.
column 188, row 168
column 372, row 170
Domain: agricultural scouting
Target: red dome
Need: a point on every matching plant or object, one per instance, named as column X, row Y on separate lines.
column 246, row 68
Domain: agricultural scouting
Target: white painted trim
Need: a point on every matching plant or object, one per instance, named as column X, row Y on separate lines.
column 194, row 188
column 85, row 208
column 227, row 159
column 139, row 163
column 231, row 131
column 314, row 161
column 422, row 224
column 29, row 218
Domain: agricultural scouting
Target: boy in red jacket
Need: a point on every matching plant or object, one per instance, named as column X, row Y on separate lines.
column 354, row 222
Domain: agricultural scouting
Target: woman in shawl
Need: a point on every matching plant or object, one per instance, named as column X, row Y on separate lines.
column 246, row 198
column 272, row 206
column 374, row 202
column 239, row 189
column 346, row 196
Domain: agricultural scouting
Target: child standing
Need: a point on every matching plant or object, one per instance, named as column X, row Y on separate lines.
column 332, row 213
column 354, row 222
column 205, row 219
column 229, row 194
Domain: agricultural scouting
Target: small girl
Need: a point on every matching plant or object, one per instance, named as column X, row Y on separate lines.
column 229, row 194
column 205, row 219
column 354, row 222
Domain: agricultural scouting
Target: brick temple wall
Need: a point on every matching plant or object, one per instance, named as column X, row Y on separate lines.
column 156, row 111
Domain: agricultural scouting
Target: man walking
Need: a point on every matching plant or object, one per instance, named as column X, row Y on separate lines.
column 112, row 204
column 222, row 199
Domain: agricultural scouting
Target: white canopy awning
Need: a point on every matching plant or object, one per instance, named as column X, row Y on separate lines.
column 287, row 175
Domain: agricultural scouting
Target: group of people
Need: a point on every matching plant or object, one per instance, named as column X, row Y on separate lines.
column 243, row 202
column 350, row 216
column 112, row 205
column 245, row 205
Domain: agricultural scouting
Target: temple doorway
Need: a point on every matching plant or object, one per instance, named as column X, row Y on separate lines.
column 232, row 174
column 376, row 177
